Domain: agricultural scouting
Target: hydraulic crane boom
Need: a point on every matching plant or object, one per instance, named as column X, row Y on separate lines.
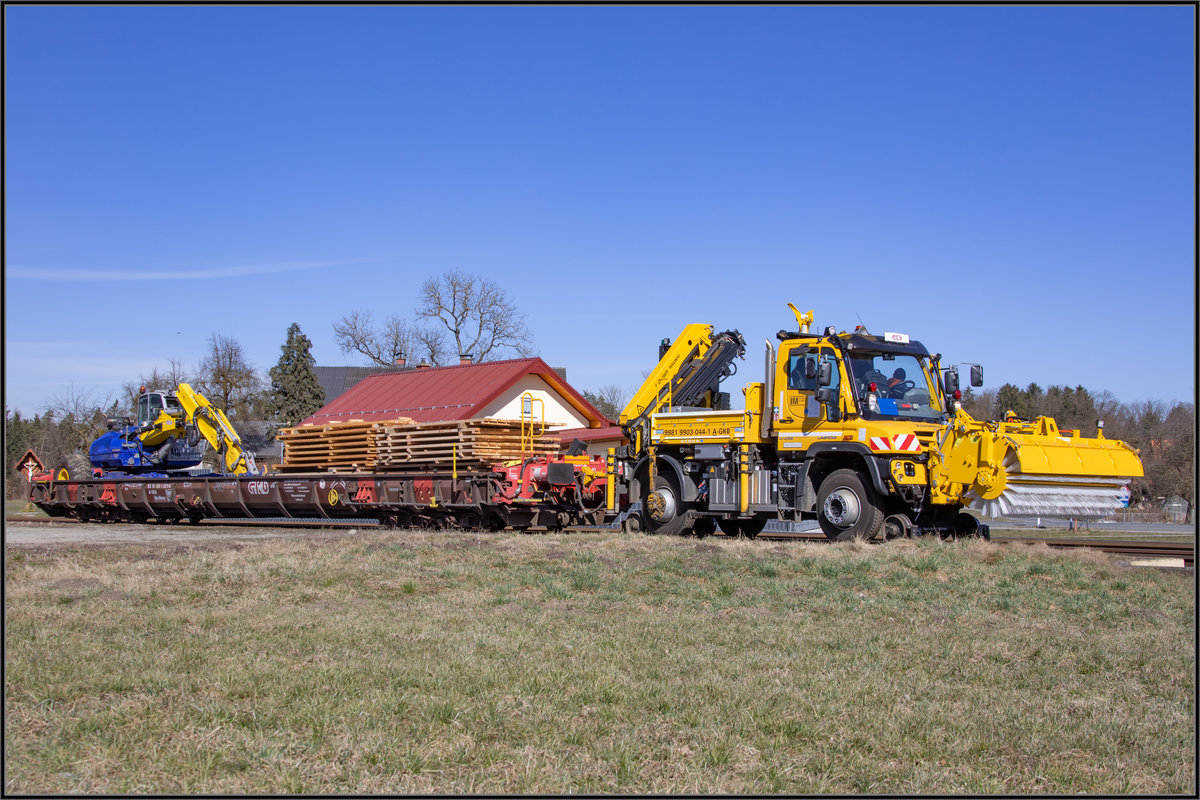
column 686, row 376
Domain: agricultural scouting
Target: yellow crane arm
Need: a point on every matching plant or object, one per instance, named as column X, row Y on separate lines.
column 217, row 430
column 655, row 392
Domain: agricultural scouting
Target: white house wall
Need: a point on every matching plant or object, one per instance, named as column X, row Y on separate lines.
column 558, row 412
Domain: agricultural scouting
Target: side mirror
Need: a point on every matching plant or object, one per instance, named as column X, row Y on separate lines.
column 950, row 382
column 976, row 375
column 825, row 376
column 825, row 398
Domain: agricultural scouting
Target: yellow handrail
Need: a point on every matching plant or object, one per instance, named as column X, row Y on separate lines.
column 530, row 432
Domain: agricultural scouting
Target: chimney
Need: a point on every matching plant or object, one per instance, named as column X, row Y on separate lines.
column 464, row 358
column 400, row 360
column 423, row 365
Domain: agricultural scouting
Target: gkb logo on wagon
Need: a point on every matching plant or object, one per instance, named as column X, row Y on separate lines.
column 258, row 487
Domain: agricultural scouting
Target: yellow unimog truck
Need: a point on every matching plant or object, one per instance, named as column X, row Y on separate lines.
column 863, row 432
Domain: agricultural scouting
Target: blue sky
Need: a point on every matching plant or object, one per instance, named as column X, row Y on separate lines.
column 1013, row 186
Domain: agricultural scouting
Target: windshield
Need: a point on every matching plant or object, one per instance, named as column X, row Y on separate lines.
column 902, row 386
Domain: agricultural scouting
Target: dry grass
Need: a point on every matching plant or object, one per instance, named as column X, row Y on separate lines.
column 399, row 663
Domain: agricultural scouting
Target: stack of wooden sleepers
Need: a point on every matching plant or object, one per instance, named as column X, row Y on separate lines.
column 358, row 446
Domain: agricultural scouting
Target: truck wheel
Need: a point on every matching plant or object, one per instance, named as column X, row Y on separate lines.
column 848, row 507
column 662, row 509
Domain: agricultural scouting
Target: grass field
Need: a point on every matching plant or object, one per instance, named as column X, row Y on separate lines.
column 414, row 662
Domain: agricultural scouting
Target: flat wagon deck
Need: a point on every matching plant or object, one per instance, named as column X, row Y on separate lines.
column 519, row 496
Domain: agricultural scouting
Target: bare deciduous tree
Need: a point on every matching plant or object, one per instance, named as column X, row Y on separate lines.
column 477, row 313
column 610, row 400
column 467, row 314
column 164, row 380
column 398, row 338
column 228, row 380
column 80, row 418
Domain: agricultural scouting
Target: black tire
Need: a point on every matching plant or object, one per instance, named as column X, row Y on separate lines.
column 849, row 507
column 663, row 509
column 742, row 527
column 74, row 467
column 704, row 526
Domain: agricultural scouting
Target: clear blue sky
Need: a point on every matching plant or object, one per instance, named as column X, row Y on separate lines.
column 1011, row 185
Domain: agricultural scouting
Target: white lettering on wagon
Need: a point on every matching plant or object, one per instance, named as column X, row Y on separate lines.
column 258, row 487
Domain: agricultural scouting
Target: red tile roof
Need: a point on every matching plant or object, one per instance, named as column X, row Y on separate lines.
column 587, row 434
column 438, row 394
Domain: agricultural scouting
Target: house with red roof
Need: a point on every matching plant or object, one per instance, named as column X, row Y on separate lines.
column 495, row 389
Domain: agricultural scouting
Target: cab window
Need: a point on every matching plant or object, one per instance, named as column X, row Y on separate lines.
column 803, row 361
column 796, row 366
column 894, row 385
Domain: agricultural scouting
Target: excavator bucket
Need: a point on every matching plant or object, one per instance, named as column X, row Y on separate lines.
column 1046, row 473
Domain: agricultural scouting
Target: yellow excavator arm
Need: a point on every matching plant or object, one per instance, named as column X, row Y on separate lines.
column 216, row 429
column 197, row 418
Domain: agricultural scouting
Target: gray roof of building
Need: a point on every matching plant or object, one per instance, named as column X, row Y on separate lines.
column 337, row 380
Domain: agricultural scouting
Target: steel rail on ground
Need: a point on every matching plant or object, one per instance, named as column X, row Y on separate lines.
column 1133, row 548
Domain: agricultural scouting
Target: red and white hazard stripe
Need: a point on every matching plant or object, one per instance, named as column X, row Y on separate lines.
column 907, row 442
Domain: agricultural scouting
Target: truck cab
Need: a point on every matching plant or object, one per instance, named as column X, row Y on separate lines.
column 869, row 377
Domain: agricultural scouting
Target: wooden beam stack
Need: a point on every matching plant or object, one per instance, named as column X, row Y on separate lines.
column 470, row 443
column 403, row 445
column 338, row 446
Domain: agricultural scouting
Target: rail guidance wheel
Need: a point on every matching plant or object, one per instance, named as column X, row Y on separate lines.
column 897, row 526
column 848, row 507
column 742, row 527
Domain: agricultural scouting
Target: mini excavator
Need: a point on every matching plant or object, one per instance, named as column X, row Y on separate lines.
column 165, row 438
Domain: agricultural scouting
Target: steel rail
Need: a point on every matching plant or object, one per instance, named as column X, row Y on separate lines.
column 1149, row 549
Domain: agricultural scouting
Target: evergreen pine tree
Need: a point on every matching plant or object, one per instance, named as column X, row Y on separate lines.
column 295, row 391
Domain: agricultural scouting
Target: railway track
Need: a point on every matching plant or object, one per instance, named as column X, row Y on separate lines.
column 1185, row 551
column 1132, row 548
